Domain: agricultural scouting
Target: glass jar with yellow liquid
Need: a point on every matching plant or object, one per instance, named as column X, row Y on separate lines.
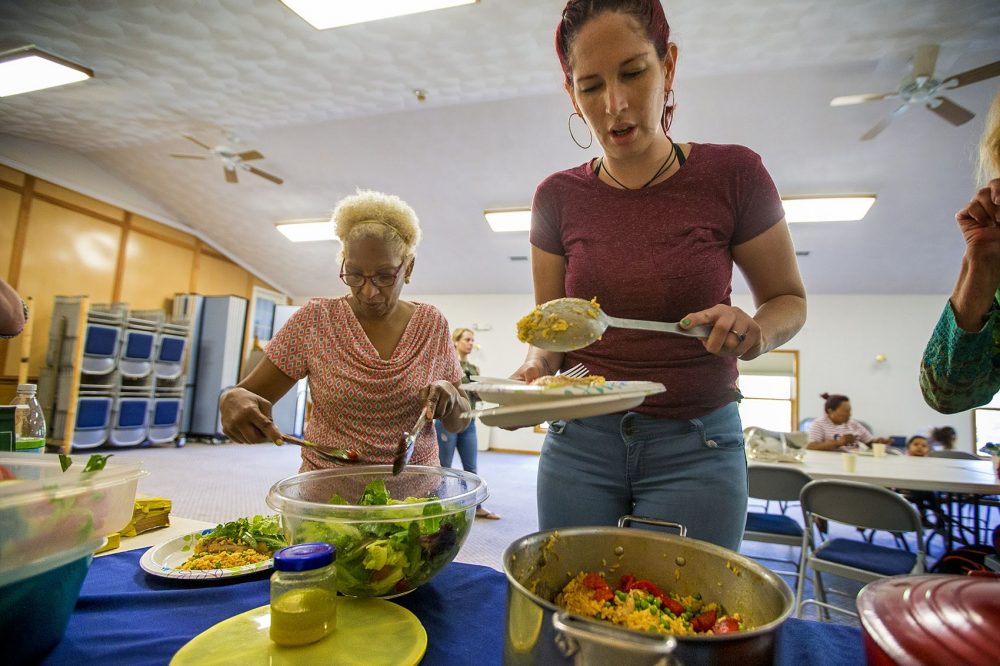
column 303, row 593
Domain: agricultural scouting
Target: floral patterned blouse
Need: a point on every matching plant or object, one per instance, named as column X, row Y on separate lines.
column 361, row 400
column 961, row 370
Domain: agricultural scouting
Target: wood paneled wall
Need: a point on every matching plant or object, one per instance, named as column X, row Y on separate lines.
column 54, row 241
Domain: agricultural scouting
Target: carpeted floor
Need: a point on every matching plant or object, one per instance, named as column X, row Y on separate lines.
column 219, row 482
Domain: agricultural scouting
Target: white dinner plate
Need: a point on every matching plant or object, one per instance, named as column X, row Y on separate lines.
column 164, row 559
column 524, row 394
column 497, row 380
column 516, row 416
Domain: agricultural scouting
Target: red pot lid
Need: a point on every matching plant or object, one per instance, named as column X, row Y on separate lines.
column 930, row 619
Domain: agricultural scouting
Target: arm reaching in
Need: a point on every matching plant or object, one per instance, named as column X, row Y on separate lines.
column 960, row 368
column 246, row 408
column 11, row 311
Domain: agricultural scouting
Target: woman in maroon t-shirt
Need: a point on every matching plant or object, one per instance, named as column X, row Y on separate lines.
column 652, row 230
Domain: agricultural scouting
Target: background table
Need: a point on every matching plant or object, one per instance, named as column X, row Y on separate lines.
column 946, row 475
column 126, row 616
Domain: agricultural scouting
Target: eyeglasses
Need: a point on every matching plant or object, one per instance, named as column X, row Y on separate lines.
column 379, row 280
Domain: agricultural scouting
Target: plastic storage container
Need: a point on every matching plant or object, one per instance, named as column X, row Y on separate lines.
column 303, row 593
column 46, row 511
column 29, row 422
column 37, row 600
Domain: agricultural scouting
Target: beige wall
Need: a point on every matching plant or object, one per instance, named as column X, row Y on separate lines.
column 54, row 241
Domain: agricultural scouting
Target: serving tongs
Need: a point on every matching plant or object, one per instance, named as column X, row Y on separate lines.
column 325, row 452
column 404, row 451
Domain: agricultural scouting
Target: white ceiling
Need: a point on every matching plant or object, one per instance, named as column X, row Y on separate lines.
column 334, row 110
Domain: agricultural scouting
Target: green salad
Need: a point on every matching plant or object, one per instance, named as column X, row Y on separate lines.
column 389, row 557
column 259, row 533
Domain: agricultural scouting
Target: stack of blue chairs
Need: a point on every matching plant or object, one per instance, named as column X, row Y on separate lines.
column 168, row 396
column 131, row 382
column 102, row 346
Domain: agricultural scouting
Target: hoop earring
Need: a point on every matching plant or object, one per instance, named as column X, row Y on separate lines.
column 669, row 102
column 569, row 125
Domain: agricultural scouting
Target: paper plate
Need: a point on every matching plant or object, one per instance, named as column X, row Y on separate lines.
column 164, row 559
column 517, row 416
column 369, row 631
column 523, row 394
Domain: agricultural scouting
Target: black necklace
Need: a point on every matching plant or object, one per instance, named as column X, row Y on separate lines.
column 667, row 163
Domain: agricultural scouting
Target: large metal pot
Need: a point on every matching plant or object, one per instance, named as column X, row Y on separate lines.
column 539, row 565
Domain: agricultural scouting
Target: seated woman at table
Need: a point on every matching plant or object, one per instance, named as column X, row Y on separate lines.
column 373, row 360
column 836, row 430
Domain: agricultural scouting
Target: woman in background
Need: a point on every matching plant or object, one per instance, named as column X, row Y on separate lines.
column 837, row 430
column 465, row 442
column 961, row 364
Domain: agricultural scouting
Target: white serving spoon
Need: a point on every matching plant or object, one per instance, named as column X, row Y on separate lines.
column 568, row 324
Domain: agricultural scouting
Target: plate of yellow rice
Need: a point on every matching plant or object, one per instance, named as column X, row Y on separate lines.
column 206, row 555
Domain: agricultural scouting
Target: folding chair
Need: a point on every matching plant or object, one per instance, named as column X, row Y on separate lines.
column 860, row 505
column 781, row 484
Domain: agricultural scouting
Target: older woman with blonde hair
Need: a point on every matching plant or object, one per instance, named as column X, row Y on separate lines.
column 961, row 364
column 373, row 360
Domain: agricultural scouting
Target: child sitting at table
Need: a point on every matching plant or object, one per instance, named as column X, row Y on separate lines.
column 925, row 501
column 917, row 446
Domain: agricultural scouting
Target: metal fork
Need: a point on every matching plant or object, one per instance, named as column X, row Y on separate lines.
column 327, row 453
column 578, row 371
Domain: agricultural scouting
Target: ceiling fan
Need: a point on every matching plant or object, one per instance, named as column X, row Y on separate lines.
column 923, row 87
column 231, row 160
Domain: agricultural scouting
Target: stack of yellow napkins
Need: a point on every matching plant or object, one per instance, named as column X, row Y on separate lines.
column 148, row 514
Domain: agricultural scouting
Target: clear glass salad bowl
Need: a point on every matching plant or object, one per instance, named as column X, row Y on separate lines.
column 392, row 533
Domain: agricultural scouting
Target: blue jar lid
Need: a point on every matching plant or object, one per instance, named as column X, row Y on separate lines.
column 304, row 556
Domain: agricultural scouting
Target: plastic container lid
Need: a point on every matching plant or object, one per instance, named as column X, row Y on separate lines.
column 304, row 556
column 27, row 388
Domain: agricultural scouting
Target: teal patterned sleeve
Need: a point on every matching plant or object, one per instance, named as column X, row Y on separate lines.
column 961, row 370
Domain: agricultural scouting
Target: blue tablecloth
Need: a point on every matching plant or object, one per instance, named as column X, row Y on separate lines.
column 125, row 616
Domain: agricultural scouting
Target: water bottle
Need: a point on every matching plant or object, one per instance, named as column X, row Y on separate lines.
column 29, row 421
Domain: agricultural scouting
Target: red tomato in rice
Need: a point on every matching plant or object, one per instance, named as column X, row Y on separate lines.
column 726, row 625
column 703, row 622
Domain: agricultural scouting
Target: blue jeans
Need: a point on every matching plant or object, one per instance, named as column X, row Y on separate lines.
column 693, row 472
column 465, row 442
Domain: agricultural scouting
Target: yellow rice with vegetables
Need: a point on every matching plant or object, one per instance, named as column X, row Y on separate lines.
column 535, row 326
column 224, row 559
column 640, row 605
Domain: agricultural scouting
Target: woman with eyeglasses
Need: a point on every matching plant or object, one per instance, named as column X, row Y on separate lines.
column 653, row 229
column 373, row 360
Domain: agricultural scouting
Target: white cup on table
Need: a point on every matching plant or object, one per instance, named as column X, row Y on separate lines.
column 878, row 448
column 850, row 461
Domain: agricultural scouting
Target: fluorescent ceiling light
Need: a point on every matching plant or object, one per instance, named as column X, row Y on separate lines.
column 513, row 219
column 323, row 14
column 826, row 209
column 303, row 231
column 29, row 68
